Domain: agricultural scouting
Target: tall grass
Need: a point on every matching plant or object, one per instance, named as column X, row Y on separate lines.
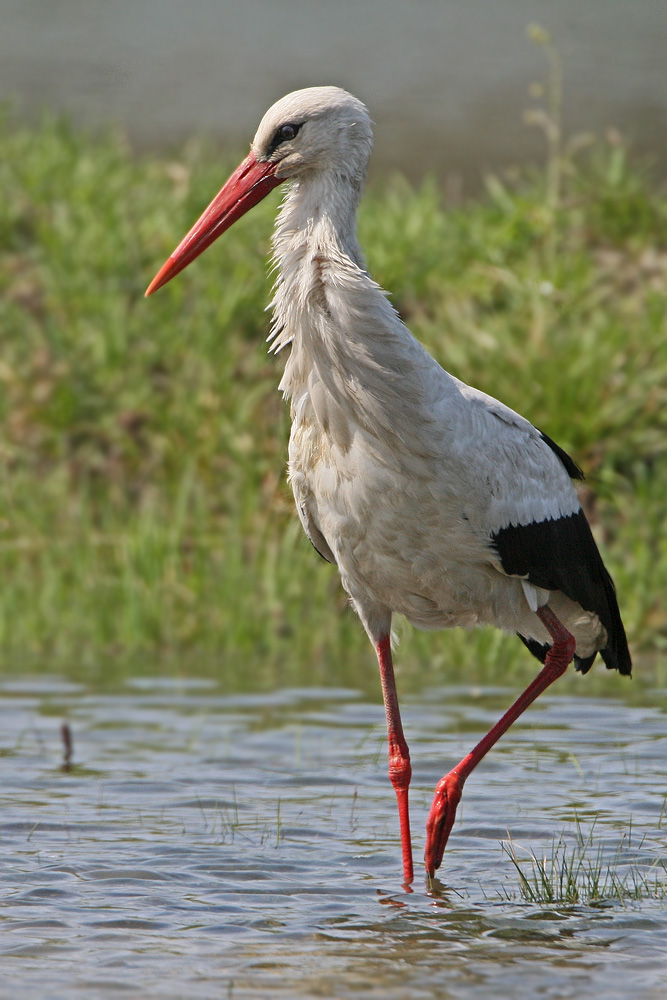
column 143, row 507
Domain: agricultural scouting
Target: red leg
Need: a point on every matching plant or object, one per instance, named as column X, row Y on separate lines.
column 448, row 790
column 400, row 770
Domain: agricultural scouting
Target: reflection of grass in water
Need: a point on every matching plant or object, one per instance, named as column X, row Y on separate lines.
column 143, row 509
column 587, row 871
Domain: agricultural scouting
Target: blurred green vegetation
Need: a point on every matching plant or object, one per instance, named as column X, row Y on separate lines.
column 144, row 514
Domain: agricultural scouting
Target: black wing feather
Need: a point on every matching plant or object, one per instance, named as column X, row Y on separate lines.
column 561, row 554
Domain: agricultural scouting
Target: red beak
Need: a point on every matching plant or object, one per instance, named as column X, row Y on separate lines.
column 251, row 181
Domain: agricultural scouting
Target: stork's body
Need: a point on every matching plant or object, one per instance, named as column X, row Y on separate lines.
column 434, row 500
column 402, row 474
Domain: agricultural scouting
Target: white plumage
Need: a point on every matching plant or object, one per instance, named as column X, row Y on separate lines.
column 435, row 500
column 404, row 471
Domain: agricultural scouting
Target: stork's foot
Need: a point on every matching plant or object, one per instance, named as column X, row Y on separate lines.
column 441, row 819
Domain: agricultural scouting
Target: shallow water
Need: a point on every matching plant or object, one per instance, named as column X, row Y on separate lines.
column 207, row 844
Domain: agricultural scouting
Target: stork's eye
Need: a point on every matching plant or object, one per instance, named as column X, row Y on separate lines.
column 282, row 134
column 287, row 132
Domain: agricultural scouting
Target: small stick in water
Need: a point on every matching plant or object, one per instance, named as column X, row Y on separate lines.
column 68, row 746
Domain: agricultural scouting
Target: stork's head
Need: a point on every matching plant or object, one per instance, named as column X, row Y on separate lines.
column 320, row 128
column 316, row 130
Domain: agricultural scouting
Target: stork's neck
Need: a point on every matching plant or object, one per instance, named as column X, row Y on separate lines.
column 321, row 278
column 351, row 354
column 319, row 269
column 319, row 215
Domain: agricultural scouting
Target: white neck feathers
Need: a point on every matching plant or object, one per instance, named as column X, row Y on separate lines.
column 351, row 355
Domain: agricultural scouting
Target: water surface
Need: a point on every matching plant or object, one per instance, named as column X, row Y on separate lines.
column 215, row 844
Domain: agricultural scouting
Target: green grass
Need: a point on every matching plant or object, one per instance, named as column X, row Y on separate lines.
column 144, row 516
column 584, row 871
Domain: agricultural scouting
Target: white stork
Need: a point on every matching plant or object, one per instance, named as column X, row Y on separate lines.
column 434, row 500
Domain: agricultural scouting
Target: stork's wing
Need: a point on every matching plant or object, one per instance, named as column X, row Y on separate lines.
column 537, row 526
